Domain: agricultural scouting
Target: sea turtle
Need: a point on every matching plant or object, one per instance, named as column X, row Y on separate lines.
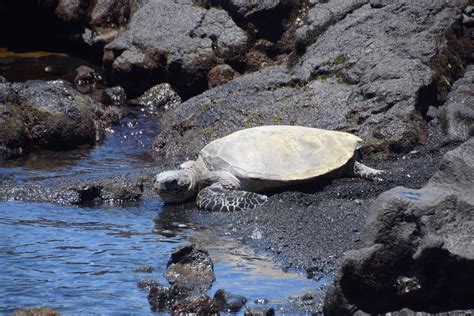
column 230, row 172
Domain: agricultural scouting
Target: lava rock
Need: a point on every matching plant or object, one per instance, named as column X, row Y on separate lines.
column 115, row 96
column 220, row 74
column 228, row 302
column 172, row 41
column 147, row 284
column 259, row 311
column 390, row 85
column 381, row 93
column 190, row 270
column 161, row 96
column 51, row 115
column 418, row 250
column 196, row 305
column 457, row 114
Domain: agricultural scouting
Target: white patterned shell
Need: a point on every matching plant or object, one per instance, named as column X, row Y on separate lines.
column 280, row 153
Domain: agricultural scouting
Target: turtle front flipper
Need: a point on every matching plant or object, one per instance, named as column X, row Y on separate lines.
column 215, row 198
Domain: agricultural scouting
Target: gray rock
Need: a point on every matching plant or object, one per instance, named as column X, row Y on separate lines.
column 175, row 40
column 418, row 250
column 190, row 270
column 259, row 311
column 51, row 115
column 458, row 111
column 230, row 40
column 3, row 79
column 161, row 96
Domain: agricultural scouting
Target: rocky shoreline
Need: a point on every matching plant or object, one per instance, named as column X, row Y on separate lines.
column 398, row 74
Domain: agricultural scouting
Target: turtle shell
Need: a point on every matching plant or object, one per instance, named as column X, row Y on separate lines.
column 280, row 153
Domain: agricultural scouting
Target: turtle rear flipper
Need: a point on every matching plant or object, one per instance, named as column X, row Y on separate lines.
column 215, row 198
column 362, row 171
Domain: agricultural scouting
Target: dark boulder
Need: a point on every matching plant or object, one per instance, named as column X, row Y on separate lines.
column 50, row 115
column 228, row 302
column 418, row 250
column 190, row 270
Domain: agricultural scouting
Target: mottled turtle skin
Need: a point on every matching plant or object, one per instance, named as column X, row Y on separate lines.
column 230, row 171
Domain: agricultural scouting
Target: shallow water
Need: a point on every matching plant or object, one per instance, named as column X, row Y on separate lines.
column 82, row 260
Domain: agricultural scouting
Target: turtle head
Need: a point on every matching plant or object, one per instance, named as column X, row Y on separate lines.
column 175, row 186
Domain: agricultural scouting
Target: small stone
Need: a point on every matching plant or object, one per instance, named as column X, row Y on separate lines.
column 115, row 96
column 144, row 269
column 86, row 76
column 469, row 10
column 220, row 74
column 467, row 20
column 260, row 311
column 261, row 301
column 161, row 96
